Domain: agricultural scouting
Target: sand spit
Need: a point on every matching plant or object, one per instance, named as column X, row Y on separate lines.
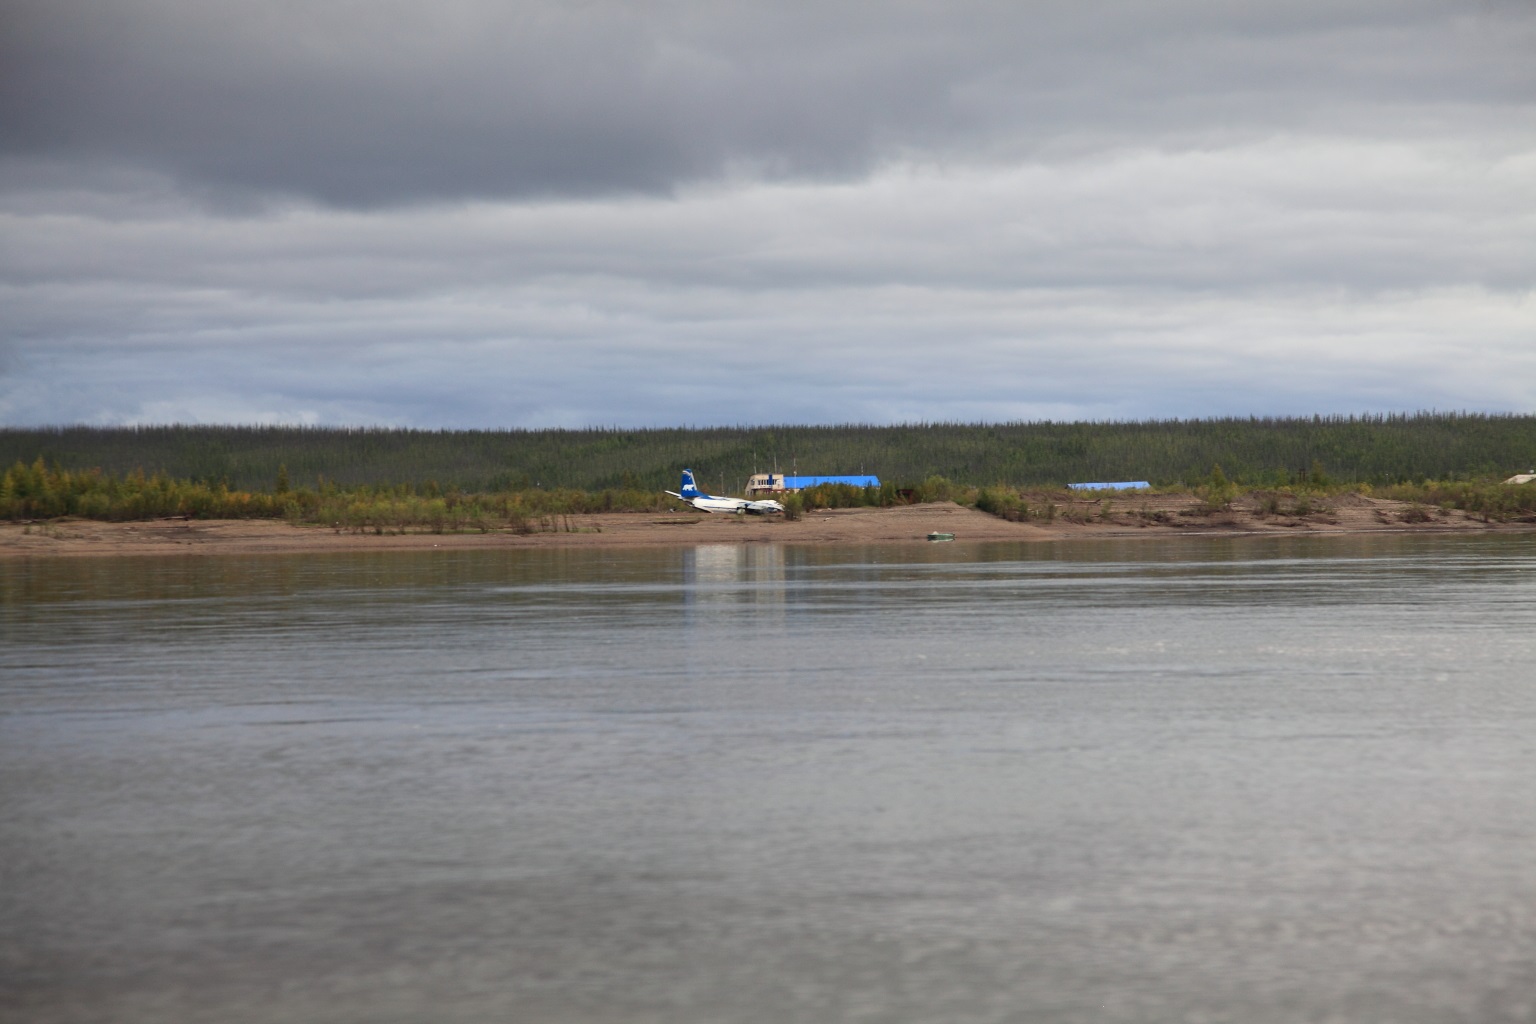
column 1152, row 516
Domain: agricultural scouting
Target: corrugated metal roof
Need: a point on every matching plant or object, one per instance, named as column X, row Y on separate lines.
column 800, row 483
column 1125, row 485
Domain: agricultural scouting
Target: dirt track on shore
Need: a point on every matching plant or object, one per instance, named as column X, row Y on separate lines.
column 1150, row 516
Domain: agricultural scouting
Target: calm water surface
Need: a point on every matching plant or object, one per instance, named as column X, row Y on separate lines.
column 1200, row 780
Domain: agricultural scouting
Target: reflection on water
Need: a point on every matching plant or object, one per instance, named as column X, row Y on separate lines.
column 734, row 579
column 1249, row 779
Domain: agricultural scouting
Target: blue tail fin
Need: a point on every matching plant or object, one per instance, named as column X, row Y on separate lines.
column 689, row 489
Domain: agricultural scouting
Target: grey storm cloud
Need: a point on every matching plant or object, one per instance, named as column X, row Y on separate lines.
column 354, row 102
column 562, row 214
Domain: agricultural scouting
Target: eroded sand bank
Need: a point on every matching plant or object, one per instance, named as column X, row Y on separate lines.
column 1155, row 515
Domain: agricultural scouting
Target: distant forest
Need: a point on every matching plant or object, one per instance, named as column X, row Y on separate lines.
column 1253, row 452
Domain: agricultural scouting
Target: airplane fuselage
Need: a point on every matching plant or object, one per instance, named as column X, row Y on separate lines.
column 711, row 503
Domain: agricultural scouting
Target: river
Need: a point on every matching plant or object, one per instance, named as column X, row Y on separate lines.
column 1242, row 779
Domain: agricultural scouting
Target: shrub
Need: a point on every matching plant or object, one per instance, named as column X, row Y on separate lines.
column 1001, row 502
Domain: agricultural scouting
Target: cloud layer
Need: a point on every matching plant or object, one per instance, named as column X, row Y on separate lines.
column 562, row 215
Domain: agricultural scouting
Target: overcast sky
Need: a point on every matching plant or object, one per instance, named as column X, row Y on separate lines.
column 482, row 213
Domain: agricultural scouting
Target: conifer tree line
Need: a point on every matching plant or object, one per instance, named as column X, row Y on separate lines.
column 1253, row 452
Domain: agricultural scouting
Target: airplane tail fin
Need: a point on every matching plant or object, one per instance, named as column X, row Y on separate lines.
column 689, row 488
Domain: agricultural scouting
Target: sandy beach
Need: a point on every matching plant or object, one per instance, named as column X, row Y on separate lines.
column 1150, row 516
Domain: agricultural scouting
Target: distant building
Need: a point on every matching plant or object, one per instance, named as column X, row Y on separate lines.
column 1124, row 485
column 1522, row 478
column 778, row 483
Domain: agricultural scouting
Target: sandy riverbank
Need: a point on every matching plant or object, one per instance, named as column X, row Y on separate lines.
column 1155, row 515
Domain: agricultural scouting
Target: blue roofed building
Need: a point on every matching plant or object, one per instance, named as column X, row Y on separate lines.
column 779, row 483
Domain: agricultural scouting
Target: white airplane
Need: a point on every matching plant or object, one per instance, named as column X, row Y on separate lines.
column 709, row 503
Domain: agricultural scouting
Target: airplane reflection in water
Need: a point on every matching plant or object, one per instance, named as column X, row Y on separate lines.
column 710, row 503
column 736, row 577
